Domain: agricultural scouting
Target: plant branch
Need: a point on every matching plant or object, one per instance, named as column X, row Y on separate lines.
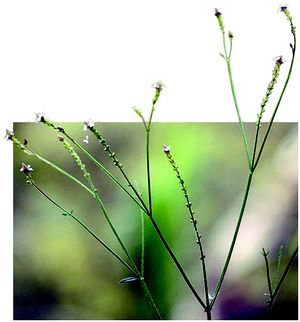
column 194, row 223
column 265, row 255
column 165, row 243
column 235, row 235
column 275, row 292
column 293, row 48
column 68, row 213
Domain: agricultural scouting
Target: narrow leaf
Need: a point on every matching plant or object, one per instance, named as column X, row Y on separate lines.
column 128, row 279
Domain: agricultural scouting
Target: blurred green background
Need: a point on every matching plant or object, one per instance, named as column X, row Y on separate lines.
column 60, row 272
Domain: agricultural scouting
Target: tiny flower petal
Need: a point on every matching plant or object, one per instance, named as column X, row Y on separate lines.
column 166, row 149
column 86, row 139
column 89, row 124
column 39, row 117
column 159, row 86
column 9, row 134
column 26, row 168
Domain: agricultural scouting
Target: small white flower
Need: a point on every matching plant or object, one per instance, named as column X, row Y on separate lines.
column 166, row 149
column 86, row 139
column 9, row 134
column 39, row 117
column 159, row 86
column 26, row 168
column 87, row 125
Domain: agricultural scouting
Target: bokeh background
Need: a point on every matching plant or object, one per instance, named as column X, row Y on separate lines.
column 60, row 272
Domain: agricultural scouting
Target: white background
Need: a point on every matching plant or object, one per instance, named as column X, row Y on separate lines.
column 76, row 60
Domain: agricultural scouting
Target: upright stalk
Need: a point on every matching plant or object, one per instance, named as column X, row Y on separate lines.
column 278, row 104
column 158, row 88
column 235, row 235
column 165, row 243
column 198, row 236
column 228, row 63
column 238, row 110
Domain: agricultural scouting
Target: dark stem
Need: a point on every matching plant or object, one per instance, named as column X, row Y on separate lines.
column 283, row 277
column 195, row 227
column 265, row 255
column 176, row 262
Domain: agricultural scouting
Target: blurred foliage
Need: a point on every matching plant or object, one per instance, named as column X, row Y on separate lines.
column 60, row 272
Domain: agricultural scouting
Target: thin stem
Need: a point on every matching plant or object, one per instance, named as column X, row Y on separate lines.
column 265, row 255
column 117, row 163
column 150, row 298
column 237, row 228
column 283, row 277
column 277, row 105
column 30, row 152
column 66, row 212
column 228, row 63
column 102, row 243
column 255, row 146
column 143, row 245
column 176, row 262
column 60, row 170
column 158, row 88
column 102, row 168
column 87, row 175
column 102, row 207
column 194, row 223
column 148, row 169
column 238, row 111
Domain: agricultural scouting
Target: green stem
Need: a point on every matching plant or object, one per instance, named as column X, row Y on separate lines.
column 237, row 228
column 148, row 170
column 143, row 245
column 228, row 63
column 102, row 207
column 85, row 227
column 176, row 262
column 102, row 168
column 283, row 277
column 278, row 103
column 60, row 170
column 268, row 273
column 238, row 111
column 116, row 162
column 150, row 298
column 195, row 227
